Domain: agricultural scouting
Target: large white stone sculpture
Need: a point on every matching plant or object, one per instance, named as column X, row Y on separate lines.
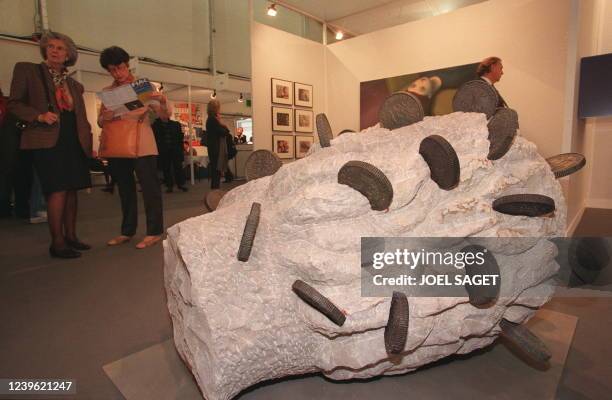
column 238, row 323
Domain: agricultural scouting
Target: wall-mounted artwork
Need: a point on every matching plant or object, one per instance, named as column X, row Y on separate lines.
column 283, row 146
column 303, row 95
column 282, row 91
column 434, row 88
column 303, row 121
column 302, row 145
column 282, row 119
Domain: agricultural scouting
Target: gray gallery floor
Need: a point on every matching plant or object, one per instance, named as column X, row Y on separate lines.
column 69, row 318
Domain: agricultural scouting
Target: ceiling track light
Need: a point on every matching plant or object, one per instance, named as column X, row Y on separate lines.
column 241, row 98
column 213, row 95
column 339, row 35
column 272, row 10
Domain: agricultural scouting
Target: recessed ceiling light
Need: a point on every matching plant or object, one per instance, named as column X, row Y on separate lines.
column 213, row 95
column 339, row 35
column 272, row 10
column 241, row 98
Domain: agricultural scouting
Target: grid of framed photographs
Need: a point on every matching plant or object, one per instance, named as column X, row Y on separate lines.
column 291, row 112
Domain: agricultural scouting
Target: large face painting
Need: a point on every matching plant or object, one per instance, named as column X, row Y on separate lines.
column 434, row 88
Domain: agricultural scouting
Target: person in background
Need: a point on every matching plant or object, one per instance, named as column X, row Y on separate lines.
column 216, row 133
column 491, row 70
column 115, row 60
column 240, row 138
column 169, row 138
column 6, row 155
column 58, row 135
column 38, row 206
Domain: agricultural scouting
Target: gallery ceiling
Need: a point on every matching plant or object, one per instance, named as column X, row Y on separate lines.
column 363, row 16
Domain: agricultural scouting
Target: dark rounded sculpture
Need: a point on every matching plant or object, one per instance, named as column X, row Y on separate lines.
column 319, row 302
column 476, row 96
column 442, row 160
column 261, row 163
column 400, row 109
column 369, row 181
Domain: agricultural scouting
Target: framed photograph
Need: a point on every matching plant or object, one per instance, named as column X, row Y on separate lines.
column 302, row 145
column 282, row 91
column 303, row 95
column 283, row 146
column 304, row 121
column 282, row 119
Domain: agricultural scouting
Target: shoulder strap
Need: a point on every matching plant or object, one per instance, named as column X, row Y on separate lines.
column 44, row 81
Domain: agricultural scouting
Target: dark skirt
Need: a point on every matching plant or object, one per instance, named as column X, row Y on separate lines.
column 63, row 167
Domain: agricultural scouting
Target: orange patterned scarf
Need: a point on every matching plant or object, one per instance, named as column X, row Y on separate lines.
column 62, row 97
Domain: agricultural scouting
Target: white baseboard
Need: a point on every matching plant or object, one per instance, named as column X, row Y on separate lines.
column 599, row 203
column 574, row 223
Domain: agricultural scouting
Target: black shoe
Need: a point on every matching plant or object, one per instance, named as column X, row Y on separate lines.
column 183, row 188
column 77, row 244
column 169, row 190
column 66, row 252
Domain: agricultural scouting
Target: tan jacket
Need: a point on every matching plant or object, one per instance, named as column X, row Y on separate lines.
column 146, row 145
column 27, row 101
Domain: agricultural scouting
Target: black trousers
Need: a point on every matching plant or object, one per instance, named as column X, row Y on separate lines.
column 122, row 170
column 172, row 167
column 214, row 173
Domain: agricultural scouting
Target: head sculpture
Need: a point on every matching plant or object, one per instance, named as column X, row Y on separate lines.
column 240, row 322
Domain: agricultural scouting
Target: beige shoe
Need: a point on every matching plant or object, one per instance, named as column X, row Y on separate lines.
column 148, row 241
column 119, row 240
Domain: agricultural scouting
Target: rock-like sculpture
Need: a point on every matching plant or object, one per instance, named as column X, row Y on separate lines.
column 238, row 323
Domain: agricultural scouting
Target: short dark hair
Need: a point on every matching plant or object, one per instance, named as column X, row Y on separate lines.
column 113, row 55
column 485, row 65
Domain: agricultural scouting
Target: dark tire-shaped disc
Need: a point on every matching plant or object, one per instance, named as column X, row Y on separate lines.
column 528, row 205
column 502, row 130
column 442, row 161
column 248, row 235
column 476, row 96
column 588, row 257
column 566, row 164
column 345, row 131
column 528, row 343
column 369, row 181
column 400, row 109
column 482, row 295
column 319, row 302
column 213, row 198
column 261, row 163
column 324, row 130
column 396, row 330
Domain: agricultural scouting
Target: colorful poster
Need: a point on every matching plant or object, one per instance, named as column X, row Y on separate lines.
column 436, row 88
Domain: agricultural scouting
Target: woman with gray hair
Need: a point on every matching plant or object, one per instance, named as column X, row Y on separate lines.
column 50, row 102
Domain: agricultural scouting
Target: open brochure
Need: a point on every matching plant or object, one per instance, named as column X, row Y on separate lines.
column 128, row 97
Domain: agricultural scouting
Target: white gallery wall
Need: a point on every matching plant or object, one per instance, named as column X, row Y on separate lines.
column 534, row 38
column 278, row 54
column 540, row 42
column 529, row 35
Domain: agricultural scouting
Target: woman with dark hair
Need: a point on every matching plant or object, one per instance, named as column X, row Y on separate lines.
column 116, row 61
column 57, row 133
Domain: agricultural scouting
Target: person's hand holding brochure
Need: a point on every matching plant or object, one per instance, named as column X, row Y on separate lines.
column 125, row 98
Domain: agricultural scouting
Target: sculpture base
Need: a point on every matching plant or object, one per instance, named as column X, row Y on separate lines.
column 158, row 373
